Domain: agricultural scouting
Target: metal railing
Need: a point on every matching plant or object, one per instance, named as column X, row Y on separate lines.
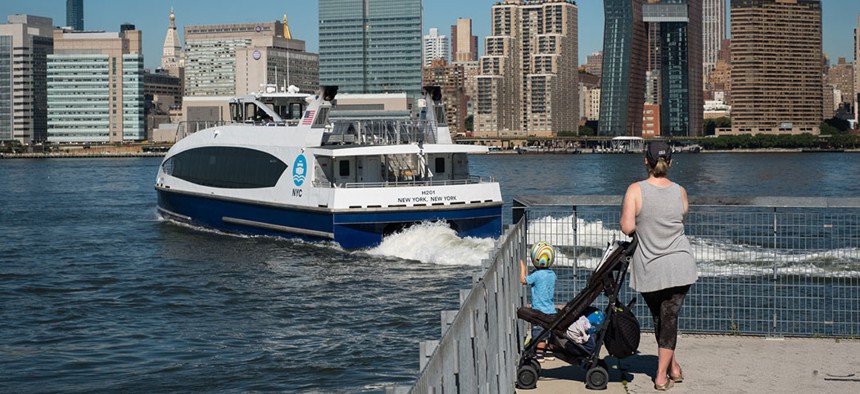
column 480, row 342
column 471, row 180
column 767, row 266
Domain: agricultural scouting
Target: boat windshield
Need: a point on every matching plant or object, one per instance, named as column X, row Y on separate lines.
column 286, row 109
column 381, row 132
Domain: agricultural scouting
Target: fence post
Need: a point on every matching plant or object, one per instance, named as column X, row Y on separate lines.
column 775, row 276
column 575, row 225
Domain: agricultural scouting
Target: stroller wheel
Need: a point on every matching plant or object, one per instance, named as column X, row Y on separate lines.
column 536, row 364
column 527, row 377
column 596, row 378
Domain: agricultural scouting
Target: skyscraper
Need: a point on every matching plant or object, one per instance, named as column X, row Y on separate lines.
column 680, row 42
column 674, row 60
column 464, row 45
column 371, row 46
column 841, row 75
column 435, row 47
column 236, row 59
column 594, row 63
column 624, row 57
column 25, row 43
column 450, row 78
column 713, row 33
column 95, row 87
column 776, row 66
column 857, row 64
column 171, row 55
column 75, row 14
column 528, row 82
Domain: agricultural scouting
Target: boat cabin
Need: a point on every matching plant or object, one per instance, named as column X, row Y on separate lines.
column 270, row 108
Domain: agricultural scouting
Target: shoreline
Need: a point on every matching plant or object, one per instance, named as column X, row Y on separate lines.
column 767, row 150
column 55, row 155
column 108, row 154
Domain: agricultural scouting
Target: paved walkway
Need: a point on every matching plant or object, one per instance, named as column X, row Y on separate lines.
column 726, row 364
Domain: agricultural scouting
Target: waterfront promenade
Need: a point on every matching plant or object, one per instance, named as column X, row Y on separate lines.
column 725, row 364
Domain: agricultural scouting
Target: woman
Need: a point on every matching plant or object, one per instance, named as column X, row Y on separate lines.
column 663, row 266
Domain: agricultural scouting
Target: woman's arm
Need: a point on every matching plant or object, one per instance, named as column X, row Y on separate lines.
column 686, row 204
column 630, row 208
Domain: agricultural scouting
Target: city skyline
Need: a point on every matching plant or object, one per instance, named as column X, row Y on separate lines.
column 839, row 16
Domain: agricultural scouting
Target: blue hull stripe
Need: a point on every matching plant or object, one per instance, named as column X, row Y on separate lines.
column 351, row 230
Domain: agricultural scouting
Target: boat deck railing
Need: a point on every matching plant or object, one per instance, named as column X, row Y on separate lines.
column 472, row 180
column 381, row 132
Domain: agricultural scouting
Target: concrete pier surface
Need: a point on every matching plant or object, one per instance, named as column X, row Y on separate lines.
column 725, row 364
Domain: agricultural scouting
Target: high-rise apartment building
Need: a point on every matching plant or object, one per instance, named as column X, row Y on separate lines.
column 857, row 63
column 435, row 47
column 528, row 83
column 713, row 33
column 589, row 96
column 451, row 79
column 594, row 63
column 371, row 46
column 624, row 60
column 720, row 79
column 464, row 45
column 776, row 66
column 652, row 31
column 25, row 43
column 95, row 87
column 75, row 14
column 841, row 75
column 237, row 59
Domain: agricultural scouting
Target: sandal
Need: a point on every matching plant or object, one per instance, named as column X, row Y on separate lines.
column 663, row 387
column 677, row 379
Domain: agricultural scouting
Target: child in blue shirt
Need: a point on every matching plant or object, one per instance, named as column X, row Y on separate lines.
column 542, row 282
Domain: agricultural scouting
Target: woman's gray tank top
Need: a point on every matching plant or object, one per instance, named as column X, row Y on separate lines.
column 664, row 257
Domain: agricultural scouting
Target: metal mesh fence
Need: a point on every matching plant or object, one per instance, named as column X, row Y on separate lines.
column 787, row 269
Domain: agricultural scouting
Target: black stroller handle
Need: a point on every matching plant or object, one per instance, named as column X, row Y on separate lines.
column 632, row 244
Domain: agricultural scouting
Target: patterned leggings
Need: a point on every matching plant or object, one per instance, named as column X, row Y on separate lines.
column 665, row 305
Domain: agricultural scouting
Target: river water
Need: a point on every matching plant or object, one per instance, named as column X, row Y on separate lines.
column 97, row 294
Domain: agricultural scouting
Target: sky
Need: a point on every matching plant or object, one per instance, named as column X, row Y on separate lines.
column 152, row 17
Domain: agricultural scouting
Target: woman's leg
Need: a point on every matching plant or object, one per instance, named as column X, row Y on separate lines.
column 665, row 358
column 665, row 305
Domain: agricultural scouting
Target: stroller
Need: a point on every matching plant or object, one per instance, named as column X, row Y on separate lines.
column 607, row 278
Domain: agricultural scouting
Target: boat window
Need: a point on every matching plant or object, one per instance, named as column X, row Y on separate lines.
column 321, row 119
column 296, row 110
column 440, row 165
column 250, row 110
column 289, row 111
column 236, row 112
column 226, row 167
column 344, row 167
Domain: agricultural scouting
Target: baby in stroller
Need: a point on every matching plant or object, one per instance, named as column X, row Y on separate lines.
column 577, row 331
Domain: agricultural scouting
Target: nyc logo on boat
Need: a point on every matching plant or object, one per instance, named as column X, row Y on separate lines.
column 299, row 170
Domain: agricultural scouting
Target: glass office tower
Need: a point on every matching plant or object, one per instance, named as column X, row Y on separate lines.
column 371, row 46
column 624, row 57
column 682, row 101
column 75, row 14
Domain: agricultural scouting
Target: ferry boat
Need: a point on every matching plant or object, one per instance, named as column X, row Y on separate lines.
column 290, row 164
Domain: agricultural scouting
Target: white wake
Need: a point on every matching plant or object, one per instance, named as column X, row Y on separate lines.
column 434, row 243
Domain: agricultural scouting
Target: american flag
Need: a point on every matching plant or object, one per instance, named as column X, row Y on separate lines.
column 309, row 117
